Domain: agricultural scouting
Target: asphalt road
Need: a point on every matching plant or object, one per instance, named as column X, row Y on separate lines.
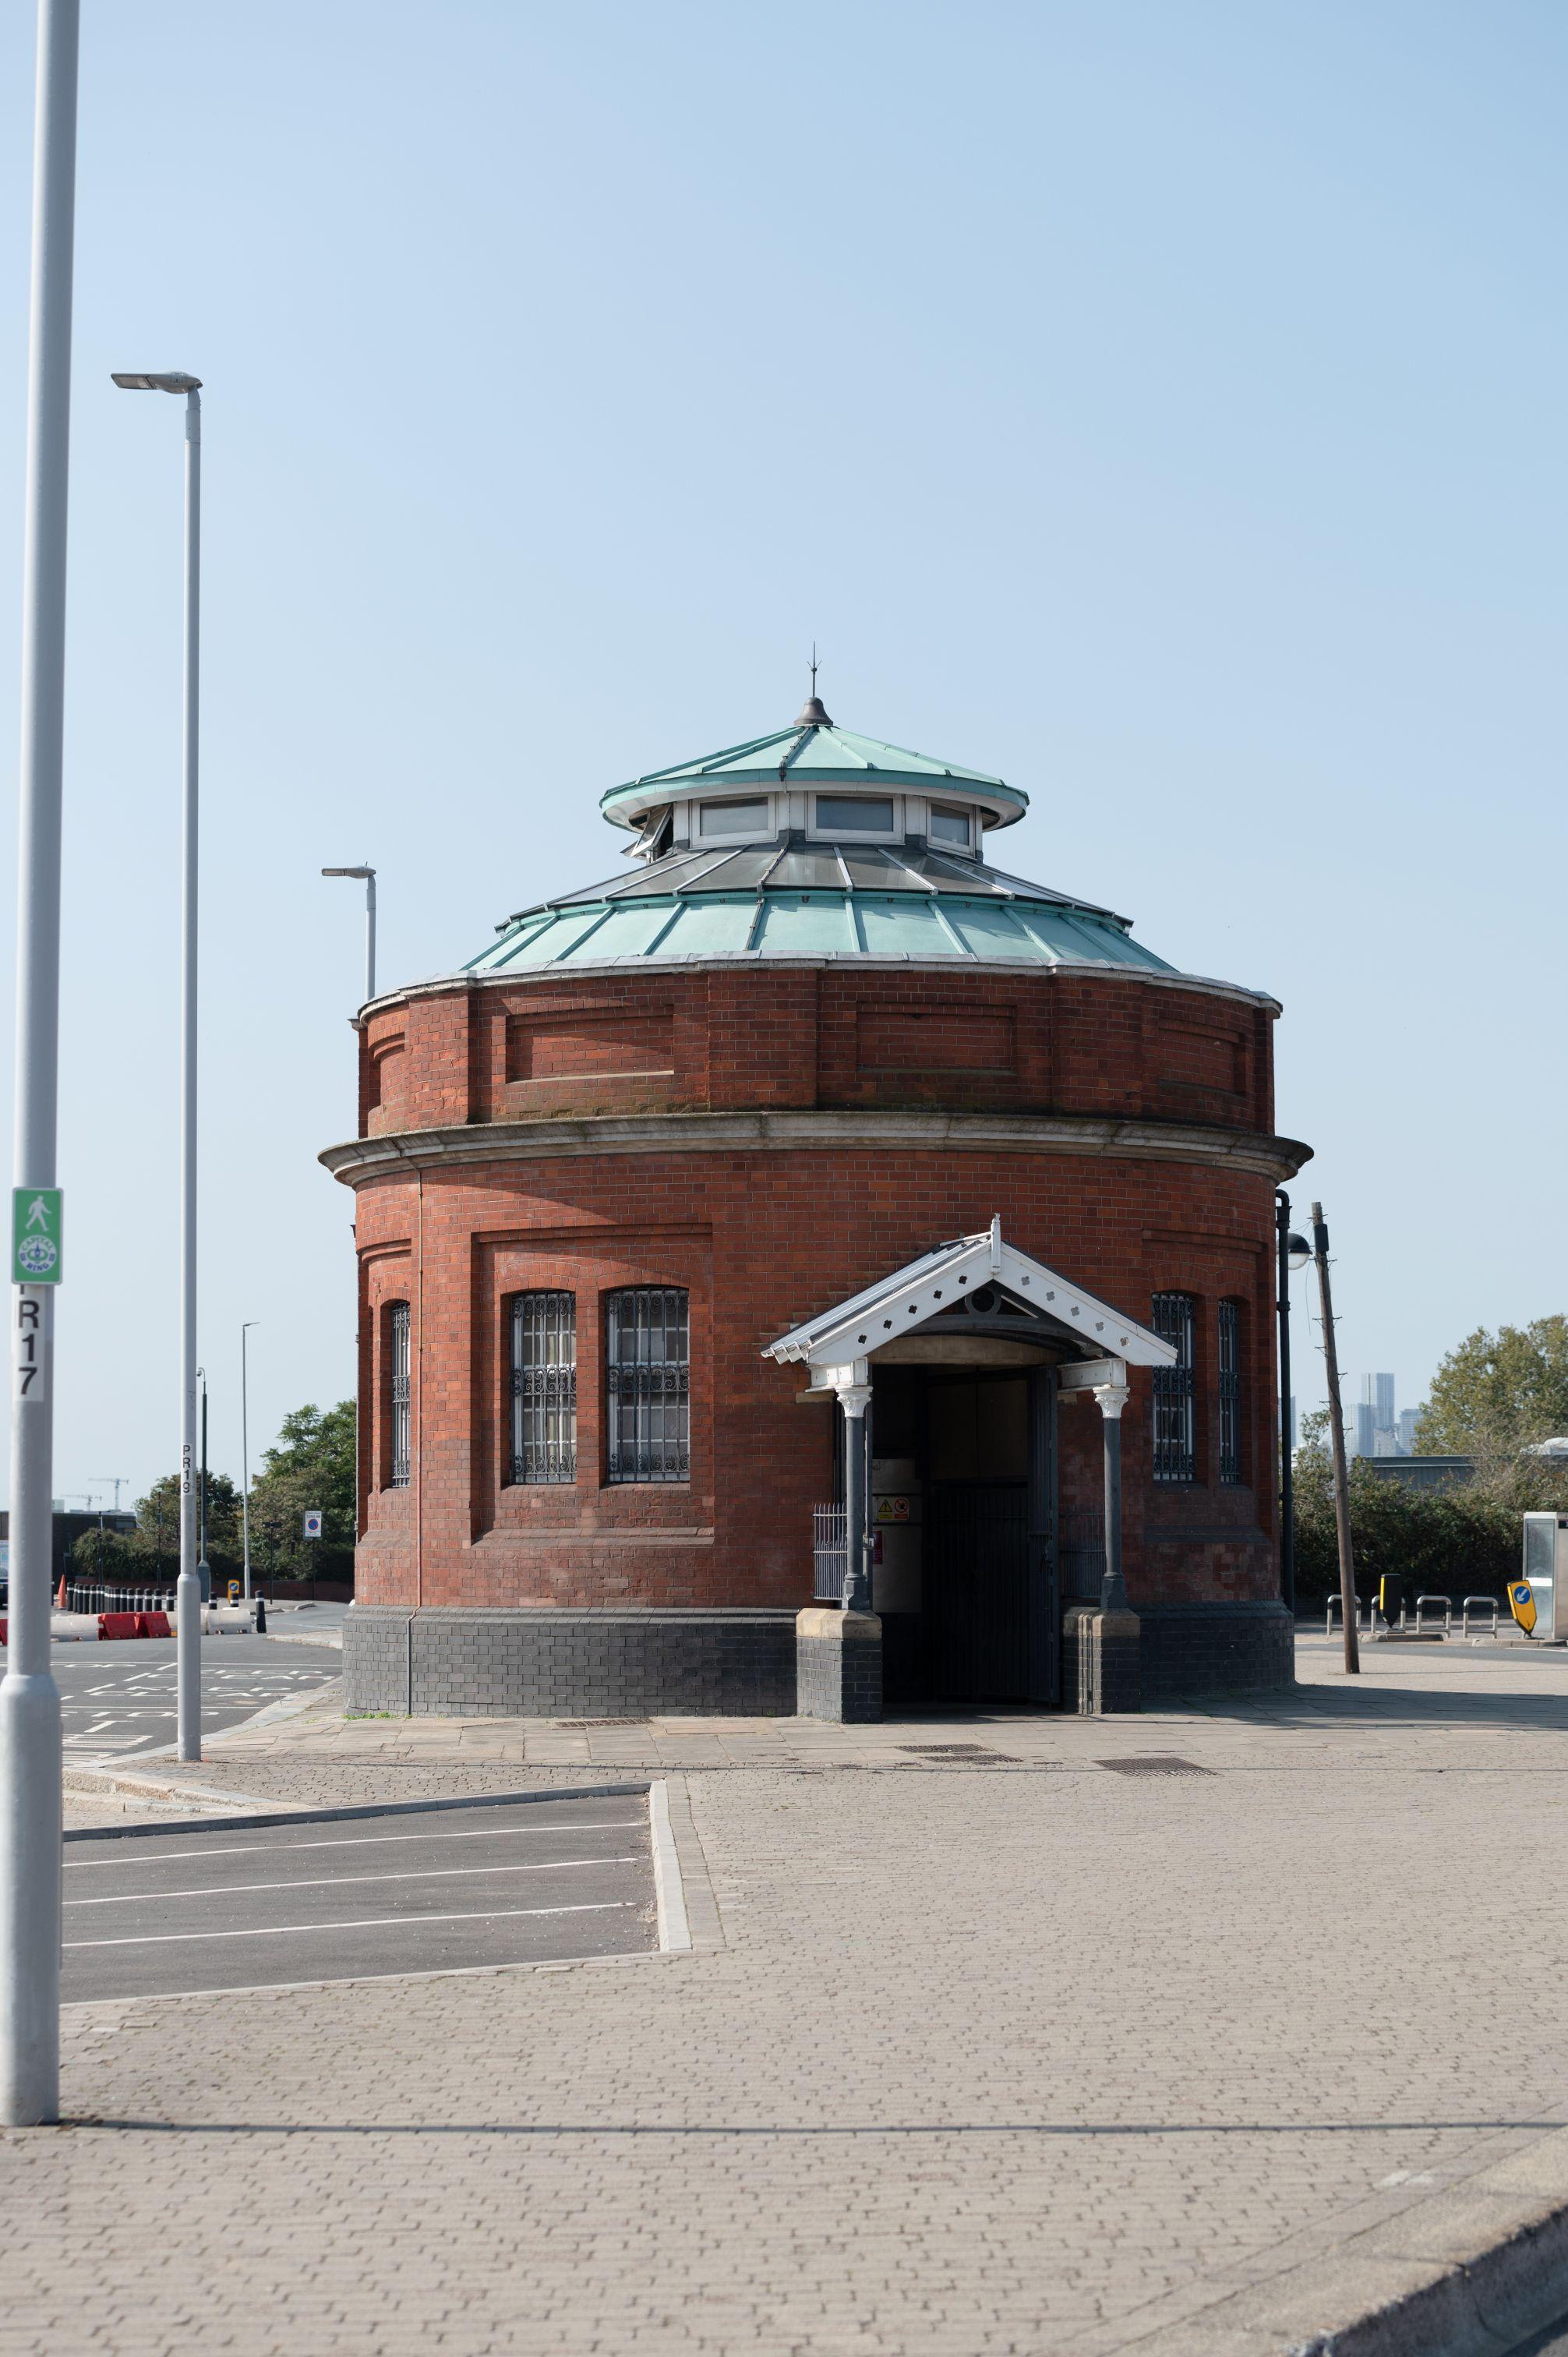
column 191, row 1910
column 119, row 1698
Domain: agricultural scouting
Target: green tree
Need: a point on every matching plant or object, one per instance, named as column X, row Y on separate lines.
column 139, row 1555
column 1498, row 1393
column 1458, row 1542
column 313, row 1467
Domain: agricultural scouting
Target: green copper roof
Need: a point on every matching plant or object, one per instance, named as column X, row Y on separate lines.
column 797, row 900
column 796, row 892
column 812, row 752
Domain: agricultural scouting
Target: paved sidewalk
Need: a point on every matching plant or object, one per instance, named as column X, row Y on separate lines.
column 972, row 2057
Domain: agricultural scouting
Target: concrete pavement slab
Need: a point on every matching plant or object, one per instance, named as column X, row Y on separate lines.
column 976, row 2057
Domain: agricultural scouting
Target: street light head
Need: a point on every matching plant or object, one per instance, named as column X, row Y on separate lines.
column 1298, row 1251
column 169, row 380
column 363, row 874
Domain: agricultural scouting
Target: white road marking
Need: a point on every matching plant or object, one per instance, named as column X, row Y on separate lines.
column 360, row 1841
column 336, row 1881
column 365, row 1924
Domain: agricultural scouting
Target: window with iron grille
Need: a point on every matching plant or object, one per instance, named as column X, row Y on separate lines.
column 1175, row 1450
column 400, row 1419
column 647, row 1384
column 544, row 1387
column 1230, row 1390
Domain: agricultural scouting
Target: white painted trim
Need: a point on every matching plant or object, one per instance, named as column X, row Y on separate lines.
column 674, row 1930
column 909, row 1297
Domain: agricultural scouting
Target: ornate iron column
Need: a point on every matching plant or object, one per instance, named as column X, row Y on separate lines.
column 855, row 1399
column 1112, row 1399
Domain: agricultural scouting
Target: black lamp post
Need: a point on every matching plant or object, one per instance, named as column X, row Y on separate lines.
column 1293, row 1252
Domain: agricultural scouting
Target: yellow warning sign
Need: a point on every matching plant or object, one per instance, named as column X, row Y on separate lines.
column 1522, row 1603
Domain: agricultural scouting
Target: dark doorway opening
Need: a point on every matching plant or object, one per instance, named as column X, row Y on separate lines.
column 970, row 1454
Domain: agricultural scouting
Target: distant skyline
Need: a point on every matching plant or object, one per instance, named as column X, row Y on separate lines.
column 1158, row 408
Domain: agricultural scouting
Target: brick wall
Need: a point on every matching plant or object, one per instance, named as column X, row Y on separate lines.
column 1030, row 1042
column 760, row 1241
column 763, row 1239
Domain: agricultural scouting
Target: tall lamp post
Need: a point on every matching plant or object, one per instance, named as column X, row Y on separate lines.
column 1293, row 1252
column 203, row 1569
column 188, row 1591
column 30, row 1763
column 367, row 877
column 245, row 1455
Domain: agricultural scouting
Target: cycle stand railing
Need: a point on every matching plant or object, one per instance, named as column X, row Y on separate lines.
column 1445, row 1604
column 1481, row 1604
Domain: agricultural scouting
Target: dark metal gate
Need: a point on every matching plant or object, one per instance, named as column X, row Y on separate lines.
column 978, row 1617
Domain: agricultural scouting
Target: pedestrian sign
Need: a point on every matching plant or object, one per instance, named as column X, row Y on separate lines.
column 37, row 1220
column 313, row 1524
column 1522, row 1603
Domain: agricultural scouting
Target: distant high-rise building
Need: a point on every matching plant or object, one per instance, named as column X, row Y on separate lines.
column 1404, row 1424
column 1372, row 1429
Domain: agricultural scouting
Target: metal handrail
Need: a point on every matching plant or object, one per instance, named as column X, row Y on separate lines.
column 1482, row 1604
column 1446, row 1603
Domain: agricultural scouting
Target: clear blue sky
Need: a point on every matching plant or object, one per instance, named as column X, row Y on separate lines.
column 1160, row 405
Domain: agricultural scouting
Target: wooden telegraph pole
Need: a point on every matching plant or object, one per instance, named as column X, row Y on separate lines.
column 1337, row 1440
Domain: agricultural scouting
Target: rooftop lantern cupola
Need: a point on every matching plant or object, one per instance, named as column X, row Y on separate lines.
column 814, row 840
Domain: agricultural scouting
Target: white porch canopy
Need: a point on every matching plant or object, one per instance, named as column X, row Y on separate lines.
column 1100, row 1344
column 833, row 1343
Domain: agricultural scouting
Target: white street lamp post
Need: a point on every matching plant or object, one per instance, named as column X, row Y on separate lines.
column 367, row 875
column 245, row 1457
column 188, row 1590
column 29, row 1700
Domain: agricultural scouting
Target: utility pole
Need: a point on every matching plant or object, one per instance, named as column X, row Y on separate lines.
column 31, row 1757
column 1337, row 1441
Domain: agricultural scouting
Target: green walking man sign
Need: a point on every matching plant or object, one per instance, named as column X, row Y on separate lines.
column 36, row 1225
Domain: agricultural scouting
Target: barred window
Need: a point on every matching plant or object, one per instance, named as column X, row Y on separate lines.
column 648, row 1383
column 1175, row 1451
column 400, row 1419
column 1230, row 1390
column 544, row 1387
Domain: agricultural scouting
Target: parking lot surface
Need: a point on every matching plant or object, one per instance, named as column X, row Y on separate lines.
column 119, row 1698
column 170, row 1911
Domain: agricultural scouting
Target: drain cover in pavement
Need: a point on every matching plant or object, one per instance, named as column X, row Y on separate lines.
column 952, row 1750
column 960, row 1751
column 578, row 1725
column 1156, row 1763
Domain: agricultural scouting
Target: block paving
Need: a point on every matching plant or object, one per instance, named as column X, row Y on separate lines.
column 987, row 2049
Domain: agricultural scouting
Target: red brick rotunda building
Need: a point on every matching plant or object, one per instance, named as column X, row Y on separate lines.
column 810, row 1270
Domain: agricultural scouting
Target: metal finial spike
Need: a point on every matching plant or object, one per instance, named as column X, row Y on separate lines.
column 812, row 713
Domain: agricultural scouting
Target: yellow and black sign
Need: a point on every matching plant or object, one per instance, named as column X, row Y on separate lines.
column 1522, row 1603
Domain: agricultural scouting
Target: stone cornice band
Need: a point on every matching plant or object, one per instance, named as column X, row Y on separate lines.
column 553, row 1139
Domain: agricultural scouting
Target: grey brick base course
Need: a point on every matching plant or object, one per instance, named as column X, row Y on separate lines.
column 456, row 1663
column 1213, row 1647
column 838, row 1673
